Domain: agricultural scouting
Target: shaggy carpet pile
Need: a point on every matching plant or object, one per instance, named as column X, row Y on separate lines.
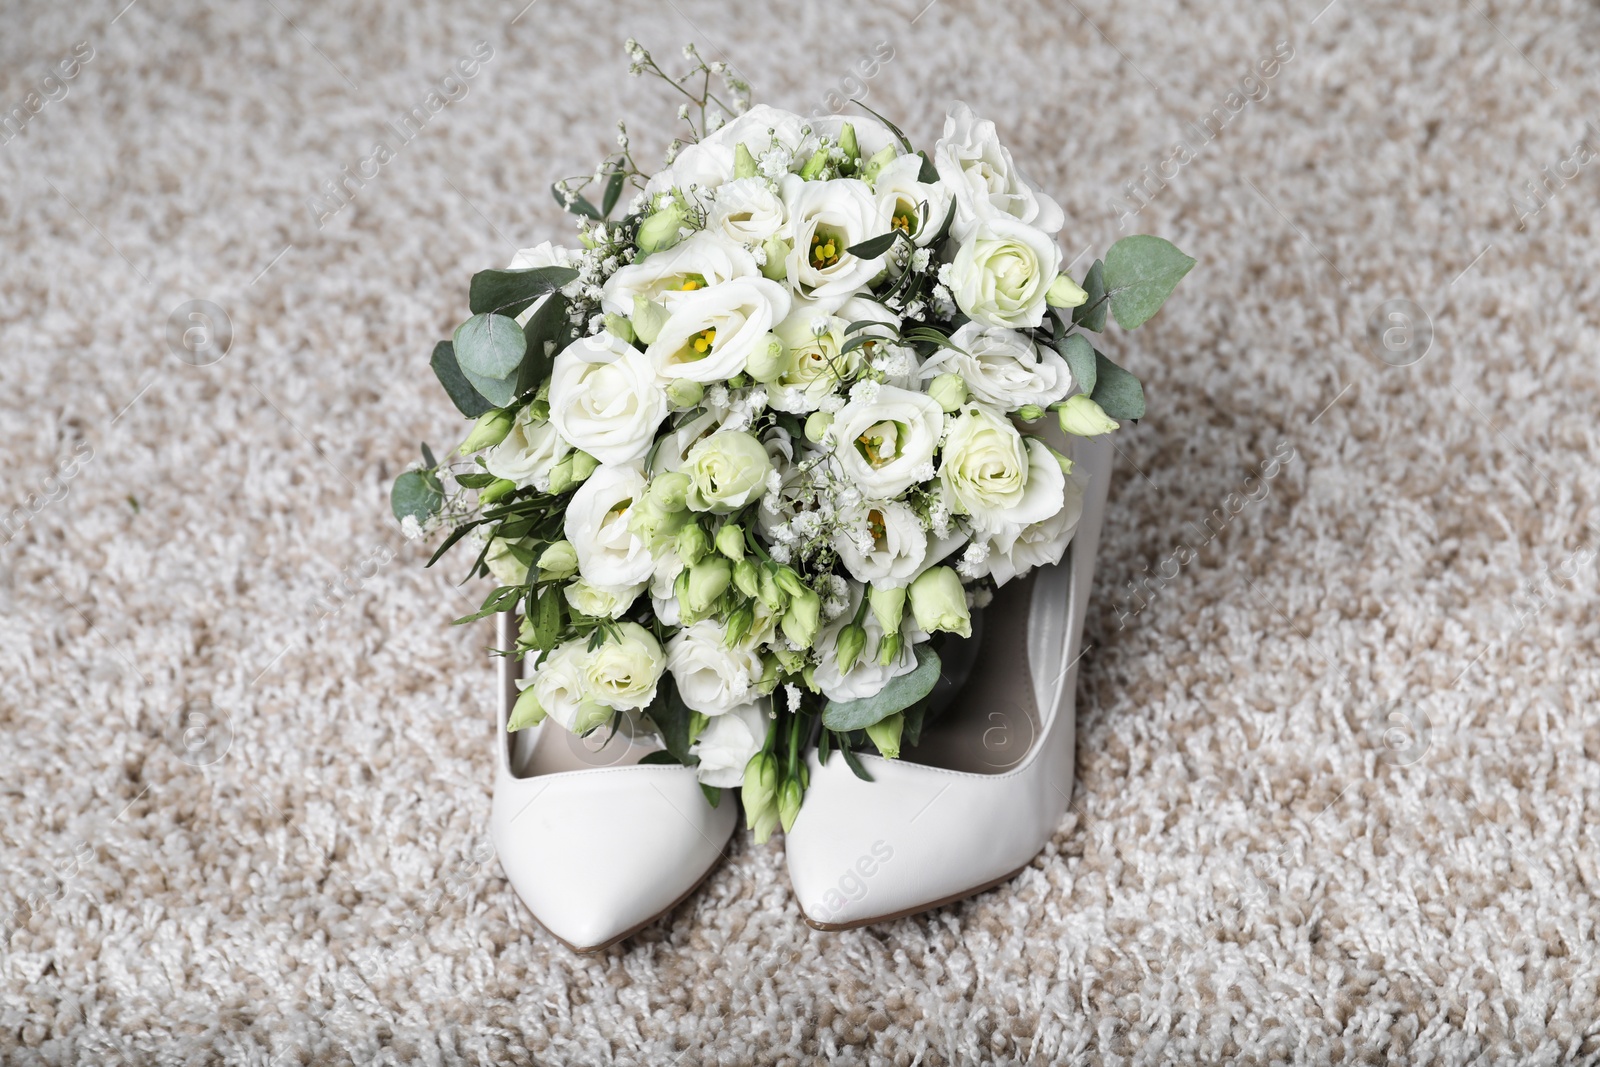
column 1339, row 757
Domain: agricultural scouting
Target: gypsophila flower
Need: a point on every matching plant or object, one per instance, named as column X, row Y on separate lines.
column 980, row 596
column 410, row 528
column 919, row 260
column 781, row 553
column 791, row 692
column 864, row 391
column 972, row 560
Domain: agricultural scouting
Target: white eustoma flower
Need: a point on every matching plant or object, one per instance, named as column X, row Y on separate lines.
column 812, row 345
column 712, row 332
column 912, row 205
column 610, row 556
column 1015, row 549
column 729, row 742
column 699, row 260
column 1002, row 271
column 881, row 543
column 605, row 399
column 559, row 686
column 992, row 473
column 746, row 211
column 825, row 218
column 622, row 673
column 528, row 452
column 1002, row 368
column 866, row 677
column 978, row 171
column 601, row 602
column 543, row 254
column 712, row 678
column 708, row 163
column 885, row 443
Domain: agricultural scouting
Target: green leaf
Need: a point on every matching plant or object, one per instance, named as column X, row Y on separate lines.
column 927, row 174
column 659, row 756
column 853, row 762
column 874, row 247
column 416, row 493
column 510, row 292
column 545, row 324
column 547, row 619
column 1140, row 273
column 449, row 542
column 467, row 400
column 578, row 206
column 477, row 479
column 904, row 141
column 1117, row 391
column 1091, row 314
column 609, row 201
column 1080, row 356
column 503, row 598
column 489, row 349
column 673, row 718
column 899, row 694
column 427, row 457
column 713, row 794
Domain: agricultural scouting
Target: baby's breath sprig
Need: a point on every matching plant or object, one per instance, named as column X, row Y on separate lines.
column 711, row 109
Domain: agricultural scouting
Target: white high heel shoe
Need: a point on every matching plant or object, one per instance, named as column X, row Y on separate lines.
column 596, row 845
column 970, row 805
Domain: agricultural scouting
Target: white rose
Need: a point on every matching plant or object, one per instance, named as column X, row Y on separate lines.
column 866, row 677
column 712, row 679
column 711, row 333
column 528, row 452
column 698, row 261
column 604, row 398
column 601, row 602
column 543, row 254
column 825, row 218
column 978, row 170
column 558, row 684
column 609, row 554
column 881, row 543
column 746, row 211
column 885, row 445
column 992, row 474
column 729, row 742
column 812, row 345
column 1002, row 271
column 1002, row 368
column 1015, row 549
column 911, row 205
column 622, row 673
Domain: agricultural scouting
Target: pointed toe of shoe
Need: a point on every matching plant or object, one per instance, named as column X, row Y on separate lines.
column 597, row 855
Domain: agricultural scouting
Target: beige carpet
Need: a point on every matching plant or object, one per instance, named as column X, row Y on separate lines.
column 1269, row 861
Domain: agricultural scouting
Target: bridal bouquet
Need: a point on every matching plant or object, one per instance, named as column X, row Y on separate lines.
column 742, row 452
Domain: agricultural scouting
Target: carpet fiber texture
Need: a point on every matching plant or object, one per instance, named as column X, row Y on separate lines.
column 1339, row 753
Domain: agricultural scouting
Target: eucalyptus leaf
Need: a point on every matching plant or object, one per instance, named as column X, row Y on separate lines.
column 1091, row 314
column 1080, row 356
column 873, row 247
column 1117, row 391
column 1140, row 273
column 489, row 349
column 510, row 292
column 544, row 325
column 613, row 191
column 899, row 694
column 416, row 494
column 467, row 399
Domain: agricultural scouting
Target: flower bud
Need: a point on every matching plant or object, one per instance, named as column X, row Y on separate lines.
column 558, row 562
column 684, row 393
column 1065, row 293
column 939, row 603
column 591, row 716
column 814, row 166
column 504, row 562
column 817, row 424
column 789, row 804
column 768, row 361
column 760, row 795
column 668, row 491
column 1030, row 413
column 770, row 594
column 769, row 674
column 660, row 230
column 526, row 712
column 888, row 648
column 949, row 391
column 789, row 581
column 1082, row 417
column 495, row 490
column 571, row 471
column 708, row 580
column 804, row 617
column 1061, row 461
column 747, row 578
column 888, row 605
column 693, row 544
column 790, row 661
column 648, row 318
column 847, row 143
column 744, row 164
column 883, row 157
column 490, row 429
column 776, row 268
column 619, row 327
column 730, row 541
column 738, row 625
column 885, row 733
column 852, row 639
